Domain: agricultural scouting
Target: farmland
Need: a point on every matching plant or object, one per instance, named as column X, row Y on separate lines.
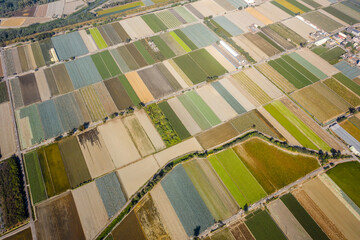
column 303, row 217
column 268, row 163
column 262, row 226
column 346, row 177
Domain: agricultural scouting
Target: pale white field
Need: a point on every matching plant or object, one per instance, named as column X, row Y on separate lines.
column 244, row 101
column 167, row 213
column 7, row 136
column 187, row 146
column 136, row 27
column 286, row 221
column 243, row 19
column 208, row 8
column 299, row 27
column 119, row 143
column 249, row 47
column 91, row 210
column 96, row 155
column 184, row 116
column 42, row 85
column 105, row 98
column 137, row 174
column 175, row 73
column 150, row 130
column 89, row 42
column 264, row 83
column 271, row 11
column 212, row 98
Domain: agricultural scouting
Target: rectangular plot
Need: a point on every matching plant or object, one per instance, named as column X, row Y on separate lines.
column 142, row 49
column 213, row 200
column 16, row 93
column 177, row 15
column 39, row 59
column 51, row 162
column 186, row 201
column 119, row 60
column 208, row 63
column 322, row 21
column 82, row 107
column 29, row 89
column 349, row 71
column 51, row 82
column 300, row 68
column 136, row 54
column 341, row 15
column 314, row 70
column 228, row 98
column 173, row 44
column 200, row 35
column 83, row 72
column 194, row 112
column 95, row 152
column 217, row 136
column 174, row 120
column 163, row 47
column 128, row 58
column 154, row 22
column 187, row 16
column 168, row 19
column 138, row 134
column 118, row 93
column 74, row 162
column 129, row 228
column 69, row 112
column 342, row 91
column 62, row 78
column 169, row 77
column 50, row 119
column 261, row 43
column 110, row 31
column 45, row 46
column 105, row 98
column 34, row 176
column 348, row 83
column 120, row 31
column 93, row 103
column 155, row 82
column 99, row 40
column 185, row 39
column 23, row 61
column 100, row 65
column 111, row 193
column 191, row 69
column 30, row 128
column 228, row 26
column 203, row 107
column 69, row 45
column 306, row 221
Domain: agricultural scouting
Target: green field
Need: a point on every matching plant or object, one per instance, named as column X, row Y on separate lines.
column 299, row 5
column 142, row 49
column 181, row 42
column 303, row 217
column 290, row 73
column 283, row 8
column 287, row 33
column 302, row 126
column 186, row 40
column 300, row 68
column 207, row 192
column 290, row 126
column 162, row 124
column 237, row 178
column 129, row 90
column 272, row 166
column 53, row 170
column 191, row 69
column 154, row 23
column 342, row 91
column 332, row 55
column 99, row 40
column 174, row 120
column 270, row 41
column 348, row 83
column 4, row 96
column 121, row 8
column 163, row 47
column 347, row 177
column 263, row 227
column 100, row 65
column 204, row 108
column 195, row 112
column 208, row 63
column 339, row 14
column 33, row 172
column 110, row 63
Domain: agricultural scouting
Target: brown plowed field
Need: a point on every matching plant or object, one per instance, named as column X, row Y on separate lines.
column 129, row 228
column 29, row 89
column 57, row 218
column 217, row 136
column 261, row 43
column 240, row 231
column 137, row 56
column 62, row 78
column 118, row 93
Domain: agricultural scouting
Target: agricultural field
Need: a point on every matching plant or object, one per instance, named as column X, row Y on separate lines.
column 121, row 8
column 58, row 219
column 321, row 102
column 262, row 226
column 111, row 193
column 348, row 70
column 286, row 220
column 272, row 166
column 244, row 187
column 69, row 45
column 341, row 216
column 344, row 13
column 296, row 127
column 322, row 21
column 269, row 47
column 186, row 201
column 331, row 55
column 129, row 228
column 7, row 137
column 343, row 91
column 217, row 136
column 105, row 64
column 346, row 177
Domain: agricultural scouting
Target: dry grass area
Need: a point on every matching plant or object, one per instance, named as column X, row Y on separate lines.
column 12, row 22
